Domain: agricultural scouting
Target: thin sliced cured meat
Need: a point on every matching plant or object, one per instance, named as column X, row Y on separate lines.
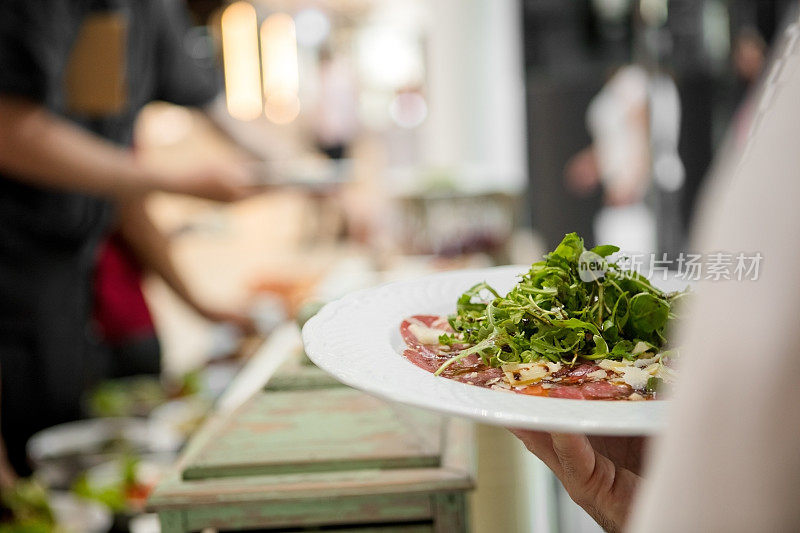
column 424, row 359
column 571, row 381
column 427, row 321
column 591, row 390
column 480, row 376
column 575, row 374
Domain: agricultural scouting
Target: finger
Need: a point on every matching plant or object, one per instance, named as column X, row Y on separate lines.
column 575, row 455
column 625, row 452
column 540, row 444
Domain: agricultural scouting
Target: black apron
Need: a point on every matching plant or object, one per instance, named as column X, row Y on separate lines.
column 49, row 238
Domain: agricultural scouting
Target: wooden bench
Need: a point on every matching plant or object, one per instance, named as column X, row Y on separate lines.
column 325, row 456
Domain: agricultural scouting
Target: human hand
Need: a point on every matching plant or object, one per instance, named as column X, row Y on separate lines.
column 219, row 182
column 623, row 194
column 244, row 323
column 601, row 474
column 581, row 173
column 8, row 477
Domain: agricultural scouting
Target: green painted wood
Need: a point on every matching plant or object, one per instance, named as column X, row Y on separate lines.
column 330, row 512
column 298, row 376
column 450, row 513
column 456, row 473
column 392, row 528
column 317, row 431
column 326, row 457
column 171, row 522
column 176, row 493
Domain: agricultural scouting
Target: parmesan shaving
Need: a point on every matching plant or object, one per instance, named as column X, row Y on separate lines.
column 635, row 377
column 640, row 347
column 614, row 366
column 597, row 374
column 518, row 374
column 629, row 372
column 641, row 363
column 426, row 335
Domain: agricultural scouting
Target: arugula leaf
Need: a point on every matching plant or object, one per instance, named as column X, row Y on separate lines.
column 570, row 249
column 648, row 313
column 600, row 346
column 654, row 384
column 551, row 314
column 604, row 250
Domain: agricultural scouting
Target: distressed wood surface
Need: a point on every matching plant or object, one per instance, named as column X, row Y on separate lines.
column 329, row 456
column 330, row 512
column 391, row 528
column 449, row 512
column 456, row 473
column 317, row 431
column 295, row 375
column 172, row 521
column 176, row 493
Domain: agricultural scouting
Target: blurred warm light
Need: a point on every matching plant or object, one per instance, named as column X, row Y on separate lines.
column 282, row 110
column 389, row 57
column 279, row 68
column 408, row 109
column 240, row 57
column 313, row 26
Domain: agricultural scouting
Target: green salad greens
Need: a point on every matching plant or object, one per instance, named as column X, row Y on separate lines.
column 113, row 495
column 26, row 509
column 573, row 304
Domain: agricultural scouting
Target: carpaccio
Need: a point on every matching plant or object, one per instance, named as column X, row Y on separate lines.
column 571, row 381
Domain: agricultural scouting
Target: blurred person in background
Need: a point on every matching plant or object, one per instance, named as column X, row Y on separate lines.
column 749, row 57
column 744, row 474
column 336, row 123
column 618, row 160
column 127, row 338
column 73, row 76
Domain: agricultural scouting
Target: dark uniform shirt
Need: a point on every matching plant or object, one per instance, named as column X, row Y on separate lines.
column 49, row 238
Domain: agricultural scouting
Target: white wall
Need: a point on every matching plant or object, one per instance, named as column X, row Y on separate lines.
column 476, row 92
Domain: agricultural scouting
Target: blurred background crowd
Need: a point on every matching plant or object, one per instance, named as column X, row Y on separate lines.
column 387, row 139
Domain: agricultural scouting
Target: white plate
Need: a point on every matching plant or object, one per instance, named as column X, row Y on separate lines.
column 75, row 514
column 357, row 340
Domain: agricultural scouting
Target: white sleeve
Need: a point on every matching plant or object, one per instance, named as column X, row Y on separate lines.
column 729, row 460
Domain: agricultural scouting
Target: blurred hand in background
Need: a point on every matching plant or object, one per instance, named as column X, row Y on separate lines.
column 582, row 174
column 228, row 182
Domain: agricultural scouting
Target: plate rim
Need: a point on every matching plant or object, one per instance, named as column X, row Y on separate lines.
column 314, row 329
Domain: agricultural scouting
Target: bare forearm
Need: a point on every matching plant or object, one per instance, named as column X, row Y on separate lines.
column 151, row 246
column 40, row 148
